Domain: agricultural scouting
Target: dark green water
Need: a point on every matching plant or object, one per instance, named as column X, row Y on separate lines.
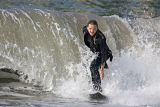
column 122, row 8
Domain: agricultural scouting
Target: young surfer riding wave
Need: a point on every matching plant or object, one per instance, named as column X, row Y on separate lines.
column 96, row 41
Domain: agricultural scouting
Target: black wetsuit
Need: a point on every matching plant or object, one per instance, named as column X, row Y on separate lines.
column 99, row 46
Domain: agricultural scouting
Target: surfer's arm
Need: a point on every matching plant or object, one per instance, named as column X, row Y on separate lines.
column 104, row 50
column 85, row 32
column 101, row 73
column 102, row 66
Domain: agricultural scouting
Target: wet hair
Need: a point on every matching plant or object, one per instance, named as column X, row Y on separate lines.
column 93, row 22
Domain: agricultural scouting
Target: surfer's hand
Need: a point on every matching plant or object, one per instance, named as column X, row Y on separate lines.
column 111, row 57
column 101, row 73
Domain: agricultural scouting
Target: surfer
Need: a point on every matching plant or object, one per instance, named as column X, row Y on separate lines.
column 96, row 41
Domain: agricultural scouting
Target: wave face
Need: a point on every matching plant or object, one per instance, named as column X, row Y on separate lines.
column 48, row 47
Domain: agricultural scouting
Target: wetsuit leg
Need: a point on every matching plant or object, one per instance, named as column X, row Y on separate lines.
column 94, row 68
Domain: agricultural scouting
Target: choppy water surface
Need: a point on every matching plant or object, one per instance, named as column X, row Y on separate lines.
column 122, row 8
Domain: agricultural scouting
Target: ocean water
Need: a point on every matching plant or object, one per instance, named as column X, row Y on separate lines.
column 45, row 63
column 122, row 8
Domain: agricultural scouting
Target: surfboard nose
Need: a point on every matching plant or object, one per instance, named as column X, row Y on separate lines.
column 98, row 96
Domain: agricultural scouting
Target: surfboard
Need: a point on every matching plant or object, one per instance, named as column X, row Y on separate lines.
column 98, row 96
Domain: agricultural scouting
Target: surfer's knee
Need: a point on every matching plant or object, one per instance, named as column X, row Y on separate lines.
column 93, row 67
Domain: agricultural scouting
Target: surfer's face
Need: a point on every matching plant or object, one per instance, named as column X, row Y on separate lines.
column 92, row 29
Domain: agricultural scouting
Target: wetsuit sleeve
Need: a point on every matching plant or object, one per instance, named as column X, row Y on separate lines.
column 104, row 50
column 85, row 32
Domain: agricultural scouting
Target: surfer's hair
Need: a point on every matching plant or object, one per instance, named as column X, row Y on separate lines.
column 93, row 22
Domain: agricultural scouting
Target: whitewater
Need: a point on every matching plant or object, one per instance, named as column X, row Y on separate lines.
column 44, row 61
